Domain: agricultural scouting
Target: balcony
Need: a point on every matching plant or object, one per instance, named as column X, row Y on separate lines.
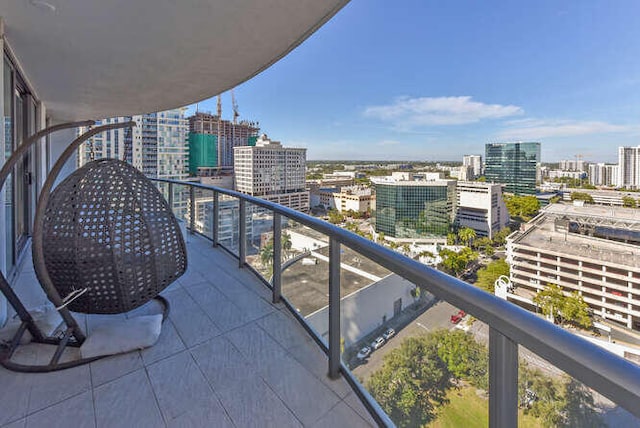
column 227, row 356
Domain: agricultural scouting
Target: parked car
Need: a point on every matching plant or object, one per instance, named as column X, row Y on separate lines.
column 378, row 342
column 457, row 317
column 363, row 353
column 389, row 333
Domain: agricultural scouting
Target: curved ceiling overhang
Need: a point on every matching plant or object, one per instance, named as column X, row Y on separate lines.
column 90, row 59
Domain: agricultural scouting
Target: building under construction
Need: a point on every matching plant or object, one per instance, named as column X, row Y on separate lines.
column 212, row 139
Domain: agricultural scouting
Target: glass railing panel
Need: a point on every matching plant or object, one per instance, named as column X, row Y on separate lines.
column 549, row 396
column 228, row 223
column 260, row 241
column 424, row 360
column 305, row 275
column 202, row 212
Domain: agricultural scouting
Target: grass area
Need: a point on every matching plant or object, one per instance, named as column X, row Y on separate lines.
column 467, row 409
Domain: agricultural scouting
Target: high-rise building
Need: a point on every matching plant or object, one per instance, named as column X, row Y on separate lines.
column 157, row 145
column 629, row 167
column 514, row 164
column 417, row 210
column 572, row 165
column 602, row 174
column 212, row 139
column 272, row 172
column 480, row 206
column 474, row 161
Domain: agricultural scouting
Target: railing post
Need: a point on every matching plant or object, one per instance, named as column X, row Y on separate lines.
column 192, row 209
column 503, row 380
column 334, row 308
column 242, row 235
column 216, row 217
column 170, row 198
column 277, row 257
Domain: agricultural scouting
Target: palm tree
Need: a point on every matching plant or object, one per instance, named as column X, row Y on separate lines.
column 266, row 254
column 467, row 235
column 286, row 243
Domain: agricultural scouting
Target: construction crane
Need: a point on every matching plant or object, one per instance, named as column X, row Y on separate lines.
column 234, row 104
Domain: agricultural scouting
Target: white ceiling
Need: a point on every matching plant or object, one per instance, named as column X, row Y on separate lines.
column 91, row 59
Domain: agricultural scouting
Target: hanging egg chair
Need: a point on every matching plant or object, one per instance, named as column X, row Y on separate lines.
column 111, row 238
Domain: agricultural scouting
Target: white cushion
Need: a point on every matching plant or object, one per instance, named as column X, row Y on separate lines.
column 118, row 336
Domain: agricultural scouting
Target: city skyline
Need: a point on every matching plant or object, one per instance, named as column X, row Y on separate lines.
column 435, row 81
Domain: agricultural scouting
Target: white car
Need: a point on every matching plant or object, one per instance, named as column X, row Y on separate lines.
column 378, row 342
column 364, row 353
column 389, row 333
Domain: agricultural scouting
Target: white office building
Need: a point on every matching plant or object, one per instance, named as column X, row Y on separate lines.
column 629, row 167
column 481, row 207
column 272, row 172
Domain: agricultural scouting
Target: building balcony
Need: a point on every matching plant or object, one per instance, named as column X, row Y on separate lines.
column 227, row 356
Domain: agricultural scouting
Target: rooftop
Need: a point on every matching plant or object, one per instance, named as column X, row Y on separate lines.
column 543, row 234
column 227, row 356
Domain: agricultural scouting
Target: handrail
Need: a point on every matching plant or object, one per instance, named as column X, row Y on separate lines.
column 610, row 375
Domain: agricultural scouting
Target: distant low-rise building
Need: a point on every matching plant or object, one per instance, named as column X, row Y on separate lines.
column 594, row 251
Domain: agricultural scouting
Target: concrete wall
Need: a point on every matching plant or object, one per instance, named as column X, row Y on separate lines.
column 302, row 242
column 366, row 309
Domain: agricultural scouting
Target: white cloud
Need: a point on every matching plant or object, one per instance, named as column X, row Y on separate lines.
column 533, row 129
column 406, row 113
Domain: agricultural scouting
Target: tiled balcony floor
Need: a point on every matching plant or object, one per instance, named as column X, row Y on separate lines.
column 226, row 357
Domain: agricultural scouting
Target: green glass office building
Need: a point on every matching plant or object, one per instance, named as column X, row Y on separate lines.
column 415, row 209
column 203, row 151
column 513, row 164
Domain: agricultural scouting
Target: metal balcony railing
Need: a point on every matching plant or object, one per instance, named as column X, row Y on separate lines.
column 509, row 325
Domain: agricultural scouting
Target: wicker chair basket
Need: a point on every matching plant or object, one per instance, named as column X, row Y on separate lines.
column 107, row 229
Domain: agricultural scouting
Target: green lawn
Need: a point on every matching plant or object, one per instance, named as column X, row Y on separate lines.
column 466, row 409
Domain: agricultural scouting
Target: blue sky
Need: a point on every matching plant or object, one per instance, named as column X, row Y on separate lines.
column 433, row 80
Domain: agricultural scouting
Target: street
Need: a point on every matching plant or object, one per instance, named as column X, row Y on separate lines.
column 436, row 317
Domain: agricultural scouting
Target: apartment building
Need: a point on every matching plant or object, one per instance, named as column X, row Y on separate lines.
column 629, row 167
column 481, row 207
column 602, row 174
column 272, row 172
column 592, row 250
column 157, row 145
column 475, row 162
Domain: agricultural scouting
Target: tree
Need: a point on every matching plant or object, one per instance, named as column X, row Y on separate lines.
column 500, row 237
column 465, row 358
column 487, row 275
column 454, row 262
column 581, row 196
column 563, row 308
column 451, row 238
column 524, row 207
column 576, row 310
column 412, row 382
column 266, row 254
column 467, row 235
column 550, row 300
column 335, row 217
column 629, row 202
column 286, row 243
column 580, row 409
